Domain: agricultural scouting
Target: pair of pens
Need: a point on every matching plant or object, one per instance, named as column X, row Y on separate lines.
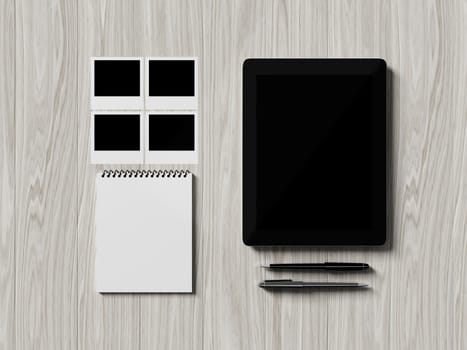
column 329, row 266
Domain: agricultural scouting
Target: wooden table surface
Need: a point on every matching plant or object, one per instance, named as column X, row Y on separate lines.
column 418, row 295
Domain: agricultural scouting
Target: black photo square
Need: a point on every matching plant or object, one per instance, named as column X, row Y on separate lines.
column 171, row 132
column 117, row 132
column 171, row 78
column 117, row 78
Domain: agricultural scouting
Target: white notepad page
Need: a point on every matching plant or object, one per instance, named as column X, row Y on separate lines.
column 144, row 234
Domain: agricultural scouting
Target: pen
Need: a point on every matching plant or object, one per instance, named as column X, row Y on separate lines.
column 333, row 266
column 299, row 284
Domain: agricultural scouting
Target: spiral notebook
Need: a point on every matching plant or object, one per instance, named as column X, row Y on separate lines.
column 143, row 232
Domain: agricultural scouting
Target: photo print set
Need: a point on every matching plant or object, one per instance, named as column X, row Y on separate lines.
column 144, row 110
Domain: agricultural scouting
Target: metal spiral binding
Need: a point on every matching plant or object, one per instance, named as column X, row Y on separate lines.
column 145, row 173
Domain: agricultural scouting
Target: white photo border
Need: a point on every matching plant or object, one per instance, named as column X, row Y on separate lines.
column 170, row 157
column 154, row 103
column 118, row 157
column 118, row 102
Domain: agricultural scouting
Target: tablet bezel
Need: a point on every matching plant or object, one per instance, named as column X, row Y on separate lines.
column 374, row 67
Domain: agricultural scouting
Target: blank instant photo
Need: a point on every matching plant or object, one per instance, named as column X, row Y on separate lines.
column 171, row 83
column 117, row 83
column 116, row 138
column 171, row 137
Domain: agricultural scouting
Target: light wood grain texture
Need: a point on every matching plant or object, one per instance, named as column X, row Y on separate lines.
column 418, row 298
column 7, row 174
column 428, row 265
column 46, row 164
column 414, row 307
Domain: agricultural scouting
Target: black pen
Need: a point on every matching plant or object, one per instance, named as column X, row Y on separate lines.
column 299, row 284
column 332, row 266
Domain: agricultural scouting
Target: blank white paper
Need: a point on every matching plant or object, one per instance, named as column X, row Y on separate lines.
column 144, row 234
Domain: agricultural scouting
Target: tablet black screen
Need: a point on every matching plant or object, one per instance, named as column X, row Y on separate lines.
column 314, row 152
column 326, row 146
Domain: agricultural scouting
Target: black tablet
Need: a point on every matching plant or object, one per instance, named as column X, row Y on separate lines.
column 314, row 152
